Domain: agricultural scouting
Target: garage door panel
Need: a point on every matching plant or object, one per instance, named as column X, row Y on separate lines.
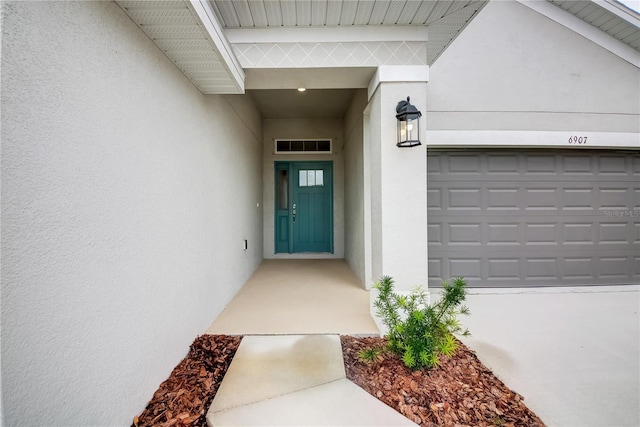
column 541, row 268
column 578, row 234
column 467, row 234
column 613, row 267
column 469, row 268
column 434, row 199
column 503, row 164
column 576, row 165
column 619, row 233
column 615, row 198
column 541, row 198
column 534, row 218
column 577, row 199
column 435, row 269
column 434, row 234
column 503, row 234
column 540, row 164
column 541, row 233
column 612, row 165
column 578, row 268
column 464, row 199
column 504, row 199
column 504, row 268
column 434, row 164
column 462, row 164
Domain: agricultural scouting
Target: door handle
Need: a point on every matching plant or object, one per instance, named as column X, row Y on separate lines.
column 294, row 212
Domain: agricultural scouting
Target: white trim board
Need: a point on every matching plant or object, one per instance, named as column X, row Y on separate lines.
column 327, row 35
column 209, row 22
column 532, row 139
column 398, row 73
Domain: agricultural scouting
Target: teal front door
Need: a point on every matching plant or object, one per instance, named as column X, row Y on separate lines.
column 304, row 207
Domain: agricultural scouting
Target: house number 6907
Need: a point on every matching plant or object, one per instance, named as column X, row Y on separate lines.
column 577, row 140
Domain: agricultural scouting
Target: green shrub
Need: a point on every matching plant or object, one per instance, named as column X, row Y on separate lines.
column 420, row 333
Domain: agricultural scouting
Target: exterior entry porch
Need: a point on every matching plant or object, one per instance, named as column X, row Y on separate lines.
column 298, row 296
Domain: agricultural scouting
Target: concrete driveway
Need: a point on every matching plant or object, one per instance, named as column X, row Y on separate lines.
column 573, row 353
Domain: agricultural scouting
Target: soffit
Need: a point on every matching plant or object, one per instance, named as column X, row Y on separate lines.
column 186, row 33
column 610, row 17
column 332, row 13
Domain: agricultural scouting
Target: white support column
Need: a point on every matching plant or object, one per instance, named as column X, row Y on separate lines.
column 395, row 193
column 398, row 189
column 404, row 192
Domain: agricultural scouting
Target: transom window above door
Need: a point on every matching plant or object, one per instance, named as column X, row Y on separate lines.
column 286, row 146
column 311, row 178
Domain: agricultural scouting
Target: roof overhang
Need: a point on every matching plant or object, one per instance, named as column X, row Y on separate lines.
column 608, row 23
column 188, row 32
column 195, row 34
column 211, row 41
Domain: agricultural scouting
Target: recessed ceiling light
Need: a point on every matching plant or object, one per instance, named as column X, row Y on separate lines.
column 301, row 89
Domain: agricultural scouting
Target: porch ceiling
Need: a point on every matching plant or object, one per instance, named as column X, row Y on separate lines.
column 334, row 13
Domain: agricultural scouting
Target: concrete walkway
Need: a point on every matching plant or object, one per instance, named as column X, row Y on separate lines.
column 573, row 353
column 298, row 296
column 294, row 380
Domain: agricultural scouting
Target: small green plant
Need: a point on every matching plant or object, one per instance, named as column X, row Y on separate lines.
column 420, row 333
column 370, row 355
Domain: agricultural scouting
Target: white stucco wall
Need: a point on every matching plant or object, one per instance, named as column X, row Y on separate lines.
column 303, row 129
column 373, row 189
column 122, row 223
column 515, row 69
column 354, row 251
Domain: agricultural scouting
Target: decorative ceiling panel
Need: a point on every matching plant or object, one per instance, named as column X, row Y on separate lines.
column 345, row 54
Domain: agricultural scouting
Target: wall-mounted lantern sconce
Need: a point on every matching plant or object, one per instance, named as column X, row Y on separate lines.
column 408, row 124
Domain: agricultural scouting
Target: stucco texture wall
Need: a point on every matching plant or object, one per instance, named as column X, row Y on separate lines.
column 515, row 69
column 303, row 129
column 354, row 251
column 126, row 196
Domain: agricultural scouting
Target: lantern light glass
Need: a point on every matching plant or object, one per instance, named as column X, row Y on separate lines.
column 408, row 124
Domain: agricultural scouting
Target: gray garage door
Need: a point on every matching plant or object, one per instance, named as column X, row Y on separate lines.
column 534, row 218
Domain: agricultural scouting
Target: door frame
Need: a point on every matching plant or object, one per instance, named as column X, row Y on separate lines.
column 288, row 165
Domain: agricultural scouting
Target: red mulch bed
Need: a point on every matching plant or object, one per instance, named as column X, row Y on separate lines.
column 184, row 398
column 462, row 391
